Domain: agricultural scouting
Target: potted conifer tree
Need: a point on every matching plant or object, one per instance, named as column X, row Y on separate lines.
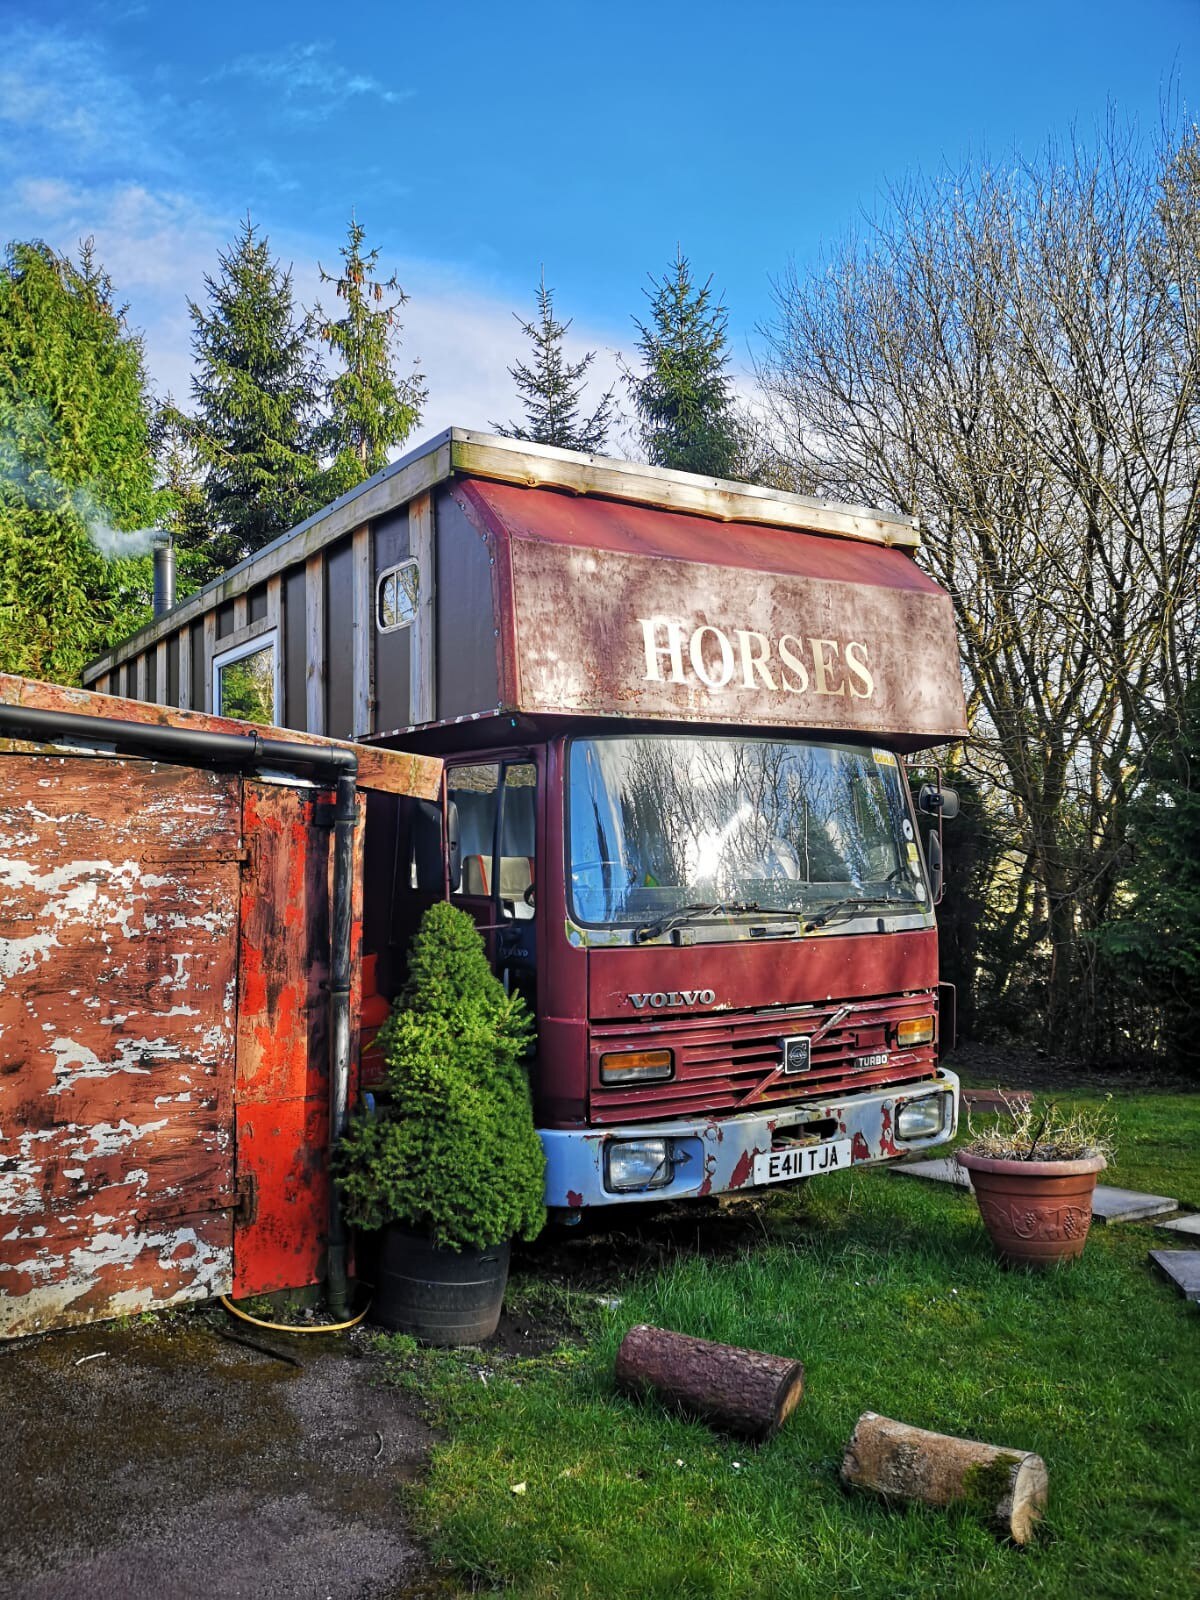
column 450, row 1167
column 1033, row 1179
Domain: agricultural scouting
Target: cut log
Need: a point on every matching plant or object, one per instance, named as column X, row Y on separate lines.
column 1007, row 1487
column 742, row 1391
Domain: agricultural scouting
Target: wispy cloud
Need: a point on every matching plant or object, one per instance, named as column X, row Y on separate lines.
column 62, row 106
column 86, row 152
column 466, row 341
column 276, row 177
column 158, row 243
column 311, row 84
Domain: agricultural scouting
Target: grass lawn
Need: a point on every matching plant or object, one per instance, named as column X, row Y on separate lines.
column 886, row 1288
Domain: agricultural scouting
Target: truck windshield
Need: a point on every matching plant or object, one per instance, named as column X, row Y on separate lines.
column 658, row 824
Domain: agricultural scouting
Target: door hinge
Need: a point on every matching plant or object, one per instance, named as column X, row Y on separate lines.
column 245, row 1205
column 193, row 859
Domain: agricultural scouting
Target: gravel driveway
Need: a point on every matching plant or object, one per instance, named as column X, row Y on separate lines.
column 158, row 1459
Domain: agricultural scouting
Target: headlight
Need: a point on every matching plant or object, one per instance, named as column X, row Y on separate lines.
column 636, row 1066
column 918, row 1030
column 921, row 1119
column 639, row 1164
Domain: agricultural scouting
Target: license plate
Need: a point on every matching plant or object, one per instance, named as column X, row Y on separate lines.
column 801, row 1161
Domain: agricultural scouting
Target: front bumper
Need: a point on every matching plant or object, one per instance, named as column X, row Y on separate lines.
column 715, row 1155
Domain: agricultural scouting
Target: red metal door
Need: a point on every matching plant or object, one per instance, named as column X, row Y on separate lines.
column 282, row 1093
column 119, row 893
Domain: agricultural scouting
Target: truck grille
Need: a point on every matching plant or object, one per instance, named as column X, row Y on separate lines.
column 728, row 1061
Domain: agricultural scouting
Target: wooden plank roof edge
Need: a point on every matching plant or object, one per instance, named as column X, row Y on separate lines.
column 471, row 453
column 662, row 488
column 384, row 770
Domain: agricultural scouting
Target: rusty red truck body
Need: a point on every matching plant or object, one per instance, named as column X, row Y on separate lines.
column 674, row 715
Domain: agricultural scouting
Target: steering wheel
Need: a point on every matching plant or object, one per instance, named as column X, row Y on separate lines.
column 582, row 868
column 528, row 895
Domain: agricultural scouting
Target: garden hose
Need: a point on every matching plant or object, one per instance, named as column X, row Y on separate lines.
column 288, row 1327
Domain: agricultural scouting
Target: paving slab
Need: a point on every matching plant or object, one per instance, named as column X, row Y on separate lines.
column 1127, row 1205
column 1108, row 1204
column 1188, row 1223
column 943, row 1170
column 1183, row 1269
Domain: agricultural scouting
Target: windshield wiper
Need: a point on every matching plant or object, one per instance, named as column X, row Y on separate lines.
column 847, row 908
column 713, row 908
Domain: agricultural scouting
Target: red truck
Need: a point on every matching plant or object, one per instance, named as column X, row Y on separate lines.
column 674, row 715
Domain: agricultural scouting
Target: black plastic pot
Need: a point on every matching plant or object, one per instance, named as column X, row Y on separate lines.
column 443, row 1297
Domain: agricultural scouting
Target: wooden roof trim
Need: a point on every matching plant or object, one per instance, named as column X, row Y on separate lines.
column 388, row 771
column 544, row 467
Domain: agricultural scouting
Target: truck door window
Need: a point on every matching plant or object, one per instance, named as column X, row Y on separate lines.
column 496, row 806
column 516, row 853
column 475, row 791
column 517, row 842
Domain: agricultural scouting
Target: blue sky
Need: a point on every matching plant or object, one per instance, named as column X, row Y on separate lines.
column 477, row 142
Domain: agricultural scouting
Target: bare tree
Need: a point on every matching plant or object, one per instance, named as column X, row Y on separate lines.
column 1012, row 355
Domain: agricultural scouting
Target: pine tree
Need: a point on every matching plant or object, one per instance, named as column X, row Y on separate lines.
column 256, row 393
column 552, row 388
column 687, row 416
column 185, row 513
column 1153, row 944
column 371, row 407
column 76, row 465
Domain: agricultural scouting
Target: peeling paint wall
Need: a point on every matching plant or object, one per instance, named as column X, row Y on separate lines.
column 119, row 898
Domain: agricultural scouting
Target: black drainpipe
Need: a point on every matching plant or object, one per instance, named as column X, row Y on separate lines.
column 345, row 820
column 242, row 751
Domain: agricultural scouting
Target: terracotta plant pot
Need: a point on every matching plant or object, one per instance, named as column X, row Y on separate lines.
column 1037, row 1212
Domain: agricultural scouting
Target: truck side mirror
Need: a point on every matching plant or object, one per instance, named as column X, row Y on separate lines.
column 935, row 801
column 454, row 846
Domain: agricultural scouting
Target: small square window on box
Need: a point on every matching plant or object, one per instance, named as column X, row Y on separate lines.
column 396, row 597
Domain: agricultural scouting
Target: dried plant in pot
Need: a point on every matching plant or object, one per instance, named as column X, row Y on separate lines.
column 1033, row 1179
column 450, row 1167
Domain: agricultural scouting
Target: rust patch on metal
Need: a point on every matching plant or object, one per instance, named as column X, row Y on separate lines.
column 710, row 1166
column 887, row 1144
column 743, row 1167
column 118, row 918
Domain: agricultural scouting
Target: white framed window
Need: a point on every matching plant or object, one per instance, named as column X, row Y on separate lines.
column 396, row 596
column 246, row 680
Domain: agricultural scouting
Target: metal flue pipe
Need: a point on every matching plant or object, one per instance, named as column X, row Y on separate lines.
column 164, row 576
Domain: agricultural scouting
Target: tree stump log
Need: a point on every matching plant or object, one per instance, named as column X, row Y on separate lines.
column 742, row 1391
column 1007, row 1487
